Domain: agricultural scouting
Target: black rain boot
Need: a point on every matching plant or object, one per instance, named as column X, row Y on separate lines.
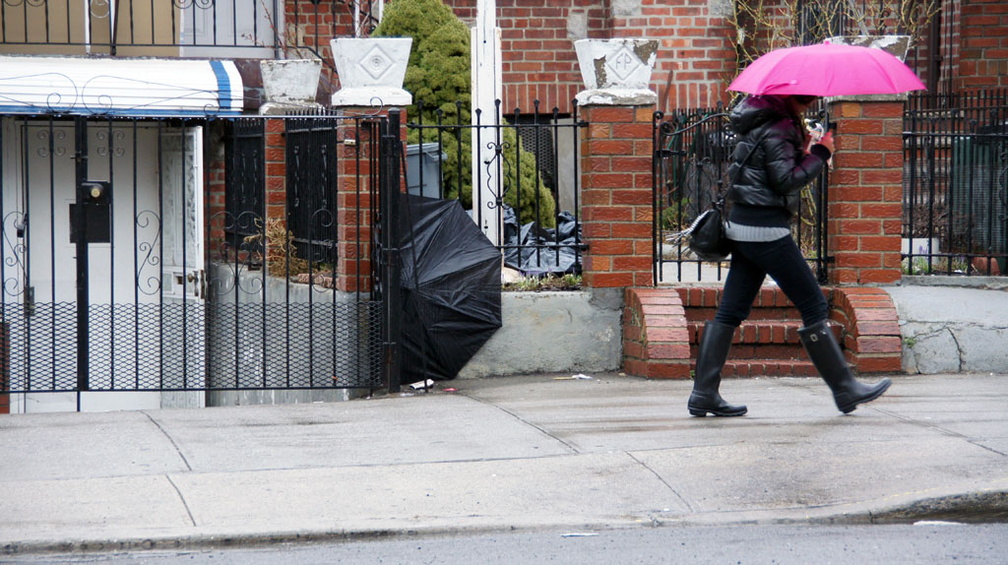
column 711, row 356
column 823, row 349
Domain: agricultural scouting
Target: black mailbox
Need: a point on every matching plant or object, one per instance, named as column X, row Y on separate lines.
column 91, row 214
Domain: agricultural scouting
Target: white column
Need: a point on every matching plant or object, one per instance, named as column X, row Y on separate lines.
column 486, row 90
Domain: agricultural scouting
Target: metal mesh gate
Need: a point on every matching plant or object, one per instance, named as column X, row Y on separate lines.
column 135, row 256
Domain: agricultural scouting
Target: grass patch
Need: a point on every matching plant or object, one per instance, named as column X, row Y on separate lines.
column 548, row 282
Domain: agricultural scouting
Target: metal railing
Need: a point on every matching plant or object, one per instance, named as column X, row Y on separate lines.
column 537, row 196
column 174, row 292
column 955, row 184
column 141, row 27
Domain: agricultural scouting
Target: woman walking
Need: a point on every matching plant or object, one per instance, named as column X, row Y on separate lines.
column 776, row 160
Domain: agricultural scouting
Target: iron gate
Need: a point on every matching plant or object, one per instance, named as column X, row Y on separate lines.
column 153, row 255
column 692, row 152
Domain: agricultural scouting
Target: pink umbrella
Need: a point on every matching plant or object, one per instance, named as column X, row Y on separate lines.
column 826, row 69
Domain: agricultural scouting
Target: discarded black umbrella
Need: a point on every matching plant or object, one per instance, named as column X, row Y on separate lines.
column 451, row 288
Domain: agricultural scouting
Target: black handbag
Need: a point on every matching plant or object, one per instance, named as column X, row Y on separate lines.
column 706, row 236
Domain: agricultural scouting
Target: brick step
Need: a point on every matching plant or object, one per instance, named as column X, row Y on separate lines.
column 662, row 327
column 704, row 313
column 702, row 296
column 764, row 351
column 765, row 345
column 761, row 332
column 769, row 368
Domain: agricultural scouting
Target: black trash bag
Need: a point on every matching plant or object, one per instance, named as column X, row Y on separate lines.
column 451, row 288
column 539, row 251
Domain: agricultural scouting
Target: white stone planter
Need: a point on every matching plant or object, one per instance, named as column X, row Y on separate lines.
column 895, row 45
column 289, row 84
column 617, row 71
column 371, row 71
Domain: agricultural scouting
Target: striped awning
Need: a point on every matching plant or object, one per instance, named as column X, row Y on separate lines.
column 119, row 87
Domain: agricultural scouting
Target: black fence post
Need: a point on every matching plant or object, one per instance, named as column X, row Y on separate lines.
column 80, row 219
column 390, row 152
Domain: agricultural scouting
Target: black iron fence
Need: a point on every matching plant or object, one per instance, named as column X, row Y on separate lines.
column 955, row 184
column 534, row 200
column 692, row 152
column 152, row 261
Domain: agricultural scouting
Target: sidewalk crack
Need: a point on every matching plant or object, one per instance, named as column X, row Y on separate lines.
column 671, row 488
column 939, row 429
column 541, row 430
column 170, row 438
column 182, row 499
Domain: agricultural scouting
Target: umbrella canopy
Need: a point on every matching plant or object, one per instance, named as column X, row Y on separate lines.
column 826, row 69
column 451, row 285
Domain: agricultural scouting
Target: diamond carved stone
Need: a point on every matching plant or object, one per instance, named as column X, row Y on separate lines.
column 376, row 63
column 623, row 63
column 371, row 71
column 616, row 71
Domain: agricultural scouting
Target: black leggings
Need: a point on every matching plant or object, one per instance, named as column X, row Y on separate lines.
column 751, row 262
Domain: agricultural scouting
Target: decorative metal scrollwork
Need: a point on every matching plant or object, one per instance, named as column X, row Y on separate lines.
column 17, row 223
column 52, row 142
column 234, row 260
column 100, row 8
column 67, row 95
column 102, row 103
column 200, row 4
column 53, row 100
column 150, row 223
column 498, row 149
column 32, row 3
column 111, row 143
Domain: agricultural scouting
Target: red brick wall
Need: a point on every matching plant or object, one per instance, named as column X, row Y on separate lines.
column 537, row 42
column 983, row 57
column 311, row 24
column 871, row 340
column 276, row 170
column 656, row 341
column 696, row 60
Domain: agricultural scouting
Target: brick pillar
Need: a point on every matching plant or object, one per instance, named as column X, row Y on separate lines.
column 215, row 191
column 276, row 186
column 354, row 205
column 355, row 202
column 616, row 194
column 866, row 191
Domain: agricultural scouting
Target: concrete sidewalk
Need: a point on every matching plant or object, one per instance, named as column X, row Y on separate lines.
column 501, row 454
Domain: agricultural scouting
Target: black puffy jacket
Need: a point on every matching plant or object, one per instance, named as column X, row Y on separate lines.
column 772, row 177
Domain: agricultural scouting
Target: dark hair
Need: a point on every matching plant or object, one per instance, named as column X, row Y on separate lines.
column 804, row 98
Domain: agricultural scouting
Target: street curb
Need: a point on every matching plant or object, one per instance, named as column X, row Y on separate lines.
column 971, row 507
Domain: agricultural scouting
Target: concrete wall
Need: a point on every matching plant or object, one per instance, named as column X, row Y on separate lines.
column 287, row 333
column 554, row 332
column 566, row 331
column 953, row 329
